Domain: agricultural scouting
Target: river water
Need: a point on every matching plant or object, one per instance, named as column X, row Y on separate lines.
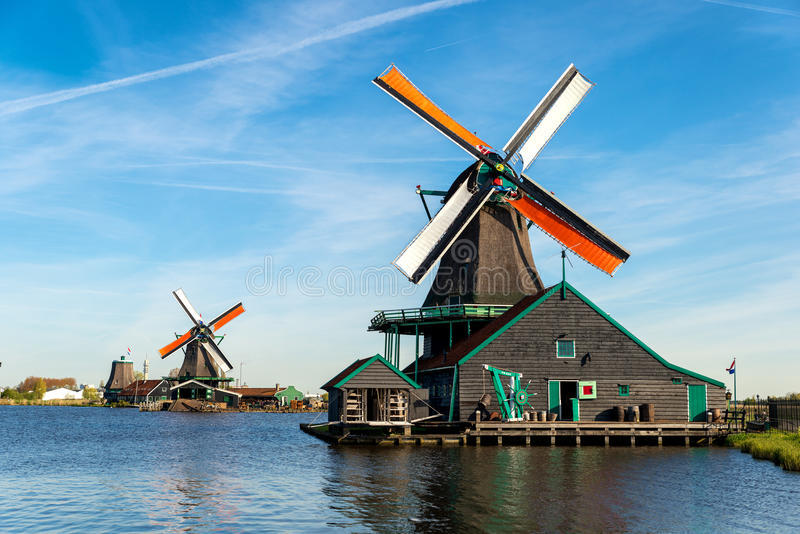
column 67, row 469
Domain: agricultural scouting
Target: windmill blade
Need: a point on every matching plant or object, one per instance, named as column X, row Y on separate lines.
column 547, row 117
column 226, row 317
column 400, row 88
column 187, row 306
column 219, row 358
column 178, row 343
column 564, row 225
column 438, row 235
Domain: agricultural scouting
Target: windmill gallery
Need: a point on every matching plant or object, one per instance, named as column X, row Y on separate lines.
column 497, row 353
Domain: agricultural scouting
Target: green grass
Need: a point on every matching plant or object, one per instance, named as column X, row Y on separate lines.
column 780, row 447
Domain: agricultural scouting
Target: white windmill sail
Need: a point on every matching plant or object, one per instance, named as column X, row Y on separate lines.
column 430, row 244
column 547, row 117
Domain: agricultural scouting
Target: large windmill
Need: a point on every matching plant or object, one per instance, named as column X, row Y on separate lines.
column 484, row 204
column 204, row 364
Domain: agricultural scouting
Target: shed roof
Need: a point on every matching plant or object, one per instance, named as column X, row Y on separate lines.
column 467, row 348
column 359, row 365
column 140, row 387
column 255, row 392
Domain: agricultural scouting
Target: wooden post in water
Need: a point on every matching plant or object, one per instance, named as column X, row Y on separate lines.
column 607, row 439
column 633, row 440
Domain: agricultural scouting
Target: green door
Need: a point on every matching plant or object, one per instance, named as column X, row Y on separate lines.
column 555, row 397
column 697, row 403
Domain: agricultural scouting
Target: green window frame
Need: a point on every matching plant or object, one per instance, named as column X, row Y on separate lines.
column 677, row 380
column 624, row 390
column 565, row 348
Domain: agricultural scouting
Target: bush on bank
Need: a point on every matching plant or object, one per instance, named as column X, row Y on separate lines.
column 780, row 447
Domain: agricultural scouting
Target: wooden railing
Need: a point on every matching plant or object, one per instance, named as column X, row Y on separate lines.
column 476, row 311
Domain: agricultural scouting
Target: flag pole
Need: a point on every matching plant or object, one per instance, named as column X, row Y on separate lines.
column 735, row 404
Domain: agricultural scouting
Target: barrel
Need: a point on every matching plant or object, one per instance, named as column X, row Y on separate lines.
column 636, row 414
column 647, row 412
column 543, row 416
column 619, row 413
column 552, row 416
column 716, row 414
column 534, row 416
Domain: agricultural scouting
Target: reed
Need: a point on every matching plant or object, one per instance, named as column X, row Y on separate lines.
column 781, row 447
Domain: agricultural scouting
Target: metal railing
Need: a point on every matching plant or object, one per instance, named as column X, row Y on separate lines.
column 470, row 311
column 771, row 414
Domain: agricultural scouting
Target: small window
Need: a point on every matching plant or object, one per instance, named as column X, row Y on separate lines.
column 565, row 348
column 677, row 380
column 454, row 300
column 624, row 390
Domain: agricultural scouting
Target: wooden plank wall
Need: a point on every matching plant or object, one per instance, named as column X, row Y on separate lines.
column 376, row 375
column 603, row 354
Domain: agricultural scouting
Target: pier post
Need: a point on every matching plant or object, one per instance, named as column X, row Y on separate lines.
column 528, row 439
column 607, row 440
column 553, row 440
column 407, row 430
column 633, row 440
column 577, row 440
column 499, row 439
column 478, row 441
column 660, row 440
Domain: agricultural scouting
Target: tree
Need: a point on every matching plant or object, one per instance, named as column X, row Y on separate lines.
column 11, row 393
column 40, row 389
column 90, row 393
column 325, row 396
column 138, row 375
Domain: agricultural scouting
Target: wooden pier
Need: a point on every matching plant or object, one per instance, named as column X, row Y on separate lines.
column 599, row 433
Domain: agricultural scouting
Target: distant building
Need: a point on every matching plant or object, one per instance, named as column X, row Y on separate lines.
column 62, row 394
column 144, row 391
column 287, row 395
column 258, row 398
column 121, row 375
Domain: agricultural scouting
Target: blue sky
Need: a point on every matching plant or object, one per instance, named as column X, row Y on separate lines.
column 146, row 146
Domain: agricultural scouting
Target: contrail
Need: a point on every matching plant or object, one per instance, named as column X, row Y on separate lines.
column 755, row 7
column 337, row 32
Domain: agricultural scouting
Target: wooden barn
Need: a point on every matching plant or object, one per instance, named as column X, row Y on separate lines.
column 145, row 391
column 205, row 390
column 580, row 362
column 373, row 391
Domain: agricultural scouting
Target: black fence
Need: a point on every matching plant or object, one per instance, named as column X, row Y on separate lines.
column 770, row 414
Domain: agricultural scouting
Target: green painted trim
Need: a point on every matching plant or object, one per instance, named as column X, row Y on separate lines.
column 363, row 366
column 508, row 325
column 639, row 342
column 603, row 314
column 453, row 393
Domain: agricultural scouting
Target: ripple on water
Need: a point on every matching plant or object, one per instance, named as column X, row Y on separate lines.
column 71, row 469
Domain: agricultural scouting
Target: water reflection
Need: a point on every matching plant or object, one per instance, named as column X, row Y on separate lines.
column 73, row 469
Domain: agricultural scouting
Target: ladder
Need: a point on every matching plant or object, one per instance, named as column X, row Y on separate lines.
column 354, row 406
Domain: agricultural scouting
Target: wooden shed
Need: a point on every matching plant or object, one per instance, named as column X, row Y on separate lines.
column 373, row 391
column 580, row 362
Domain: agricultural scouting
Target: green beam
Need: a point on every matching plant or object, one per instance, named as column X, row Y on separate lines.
column 453, row 392
column 416, row 353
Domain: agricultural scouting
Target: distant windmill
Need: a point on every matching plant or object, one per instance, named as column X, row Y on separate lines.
column 477, row 203
column 203, row 358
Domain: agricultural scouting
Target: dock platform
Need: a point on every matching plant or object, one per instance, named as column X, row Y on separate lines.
column 578, row 433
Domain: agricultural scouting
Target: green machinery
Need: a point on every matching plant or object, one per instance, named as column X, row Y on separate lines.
column 512, row 404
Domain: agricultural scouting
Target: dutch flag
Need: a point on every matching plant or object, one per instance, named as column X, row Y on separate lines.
column 732, row 368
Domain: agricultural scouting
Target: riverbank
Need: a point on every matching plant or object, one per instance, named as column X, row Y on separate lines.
column 780, row 447
column 60, row 402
